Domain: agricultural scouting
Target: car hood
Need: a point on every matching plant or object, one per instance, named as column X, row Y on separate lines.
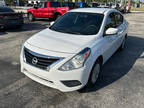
column 59, row 42
column 31, row 9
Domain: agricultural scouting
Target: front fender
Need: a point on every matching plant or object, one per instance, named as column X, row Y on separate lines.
column 31, row 11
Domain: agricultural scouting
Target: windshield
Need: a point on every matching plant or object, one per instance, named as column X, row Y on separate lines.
column 78, row 23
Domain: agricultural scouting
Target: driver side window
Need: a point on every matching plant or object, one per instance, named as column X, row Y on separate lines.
column 42, row 5
column 111, row 23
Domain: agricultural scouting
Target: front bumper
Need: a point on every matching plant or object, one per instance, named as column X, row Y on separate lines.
column 54, row 78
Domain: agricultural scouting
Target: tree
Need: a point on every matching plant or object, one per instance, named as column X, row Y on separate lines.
column 9, row 2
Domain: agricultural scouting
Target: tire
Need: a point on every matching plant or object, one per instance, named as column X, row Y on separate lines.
column 57, row 16
column 94, row 73
column 121, row 48
column 19, row 26
column 31, row 17
column 2, row 27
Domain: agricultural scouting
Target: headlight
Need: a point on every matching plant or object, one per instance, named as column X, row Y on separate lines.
column 77, row 61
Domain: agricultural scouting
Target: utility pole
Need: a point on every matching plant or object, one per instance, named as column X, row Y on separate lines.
column 129, row 4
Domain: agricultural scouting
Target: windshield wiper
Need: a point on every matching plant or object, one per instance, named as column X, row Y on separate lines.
column 68, row 31
column 72, row 32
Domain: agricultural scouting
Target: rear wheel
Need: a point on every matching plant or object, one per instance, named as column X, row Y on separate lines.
column 123, row 44
column 19, row 26
column 30, row 17
column 57, row 16
column 2, row 27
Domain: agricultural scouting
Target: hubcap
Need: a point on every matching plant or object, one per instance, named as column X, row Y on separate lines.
column 30, row 17
column 95, row 73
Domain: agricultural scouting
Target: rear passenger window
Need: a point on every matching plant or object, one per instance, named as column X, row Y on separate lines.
column 119, row 19
column 55, row 4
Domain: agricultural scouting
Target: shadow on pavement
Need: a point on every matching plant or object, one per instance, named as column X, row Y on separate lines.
column 26, row 27
column 42, row 19
column 120, row 63
column 29, row 27
column 2, row 32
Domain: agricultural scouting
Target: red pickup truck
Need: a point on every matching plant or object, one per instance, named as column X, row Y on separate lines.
column 46, row 9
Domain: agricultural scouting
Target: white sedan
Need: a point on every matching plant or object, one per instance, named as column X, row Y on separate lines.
column 69, row 55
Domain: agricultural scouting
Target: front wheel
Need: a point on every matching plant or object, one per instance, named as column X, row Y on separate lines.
column 94, row 73
column 93, row 76
column 31, row 17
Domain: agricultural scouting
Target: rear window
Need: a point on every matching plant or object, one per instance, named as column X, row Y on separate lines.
column 55, row 4
column 6, row 10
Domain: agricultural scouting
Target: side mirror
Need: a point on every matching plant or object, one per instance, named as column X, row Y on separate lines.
column 51, row 23
column 111, row 31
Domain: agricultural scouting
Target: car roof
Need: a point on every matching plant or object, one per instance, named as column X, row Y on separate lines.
column 92, row 10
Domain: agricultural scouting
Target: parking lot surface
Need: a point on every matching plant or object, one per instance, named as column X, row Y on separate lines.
column 120, row 84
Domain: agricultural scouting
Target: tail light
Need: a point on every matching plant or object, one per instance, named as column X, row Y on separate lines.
column 64, row 11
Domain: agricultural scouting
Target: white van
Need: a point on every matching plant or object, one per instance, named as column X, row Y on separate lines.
column 2, row 3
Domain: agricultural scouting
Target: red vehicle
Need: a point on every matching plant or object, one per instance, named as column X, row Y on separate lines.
column 46, row 9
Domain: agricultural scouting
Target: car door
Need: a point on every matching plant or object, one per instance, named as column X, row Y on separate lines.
column 42, row 10
column 110, row 40
column 121, row 28
column 52, row 8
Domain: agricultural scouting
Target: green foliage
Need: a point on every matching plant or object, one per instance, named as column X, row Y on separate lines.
column 9, row 2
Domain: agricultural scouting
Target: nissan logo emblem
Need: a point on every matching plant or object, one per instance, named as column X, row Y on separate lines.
column 34, row 61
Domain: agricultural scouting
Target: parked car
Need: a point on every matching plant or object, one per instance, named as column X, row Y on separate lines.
column 81, row 5
column 103, row 5
column 9, row 18
column 94, row 4
column 69, row 55
column 29, row 5
column 2, row 3
column 46, row 9
column 71, row 5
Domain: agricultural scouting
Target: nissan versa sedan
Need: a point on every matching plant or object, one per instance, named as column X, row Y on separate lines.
column 69, row 55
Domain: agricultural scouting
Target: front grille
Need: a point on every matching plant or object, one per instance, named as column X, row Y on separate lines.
column 38, row 60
